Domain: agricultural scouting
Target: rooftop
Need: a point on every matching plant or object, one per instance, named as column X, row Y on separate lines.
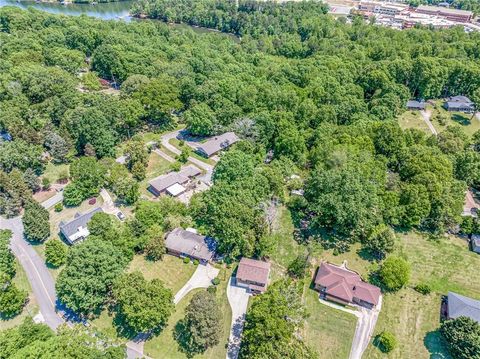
column 253, row 270
column 459, row 305
column 161, row 183
column 444, row 10
column 191, row 244
column 218, row 143
column 77, row 227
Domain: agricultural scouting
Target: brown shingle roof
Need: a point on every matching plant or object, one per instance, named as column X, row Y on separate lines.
column 345, row 284
column 191, row 244
column 253, row 270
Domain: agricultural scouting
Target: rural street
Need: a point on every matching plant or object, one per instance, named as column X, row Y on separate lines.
column 367, row 319
column 41, row 281
column 426, row 117
column 201, row 278
column 238, row 299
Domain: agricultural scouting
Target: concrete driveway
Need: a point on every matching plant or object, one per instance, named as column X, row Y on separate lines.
column 41, row 281
column 201, row 278
column 238, row 299
column 52, row 201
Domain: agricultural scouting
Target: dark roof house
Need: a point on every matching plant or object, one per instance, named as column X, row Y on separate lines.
column 459, row 305
column 183, row 243
column 76, row 230
column 172, row 182
column 459, row 103
column 217, row 144
column 253, row 274
column 344, row 286
column 416, row 105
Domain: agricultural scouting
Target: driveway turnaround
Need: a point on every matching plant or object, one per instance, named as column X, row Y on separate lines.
column 52, row 201
column 367, row 318
column 238, row 299
column 201, row 278
column 41, row 281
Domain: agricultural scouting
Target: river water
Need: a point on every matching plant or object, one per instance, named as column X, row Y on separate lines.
column 105, row 11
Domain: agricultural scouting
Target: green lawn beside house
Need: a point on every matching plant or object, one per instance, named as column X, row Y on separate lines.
column 469, row 124
column 413, row 119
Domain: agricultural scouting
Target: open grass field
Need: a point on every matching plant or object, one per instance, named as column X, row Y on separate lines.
column 328, row 330
column 413, row 119
column 468, row 124
column 31, row 309
column 165, row 346
column 171, row 270
column 53, row 171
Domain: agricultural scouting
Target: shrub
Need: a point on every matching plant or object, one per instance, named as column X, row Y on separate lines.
column 386, row 341
column 58, row 207
column 176, row 166
column 212, row 289
column 46, row 183
column 186, row 260
column 55, row 253
column 394, row 273
column 298, row 267
column 195, row 262
column 216, row 281
column 423, row 288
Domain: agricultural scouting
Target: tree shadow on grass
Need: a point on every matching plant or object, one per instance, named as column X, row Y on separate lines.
column 461, row 119
column 182, row 337
column 435, row 345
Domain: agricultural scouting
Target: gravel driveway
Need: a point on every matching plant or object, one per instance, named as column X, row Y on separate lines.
column 238, row 299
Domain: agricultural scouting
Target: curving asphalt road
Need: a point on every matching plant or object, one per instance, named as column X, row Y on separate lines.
column 41, row 281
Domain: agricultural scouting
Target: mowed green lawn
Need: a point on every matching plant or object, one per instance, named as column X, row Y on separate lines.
column 157, row 166
column 165, row 345
column 328, row 330
column 413, row 119
column 468, row 124
column 447, row 265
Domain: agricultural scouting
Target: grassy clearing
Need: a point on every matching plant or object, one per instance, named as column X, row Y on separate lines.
column 171, row 270
column 53, row 171
column 413, row 119
column 165, row 346
column 31, row 309
column 157, row 166
column 328, row 330
column 447, row 265
column 464, row 120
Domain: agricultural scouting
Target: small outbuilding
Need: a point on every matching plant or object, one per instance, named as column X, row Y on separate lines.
column 183, row 243
column 216, row 144
column 459, row 104
column 416, row 105
column 76, row 230
column 253, row 275
column 475, row 243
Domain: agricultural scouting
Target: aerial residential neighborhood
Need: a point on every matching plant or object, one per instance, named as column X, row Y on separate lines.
column 239, row 179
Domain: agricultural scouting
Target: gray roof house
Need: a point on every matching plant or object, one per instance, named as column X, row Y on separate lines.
column 459, row 103
column 459, row 305
column 183, row 243
column 416, row 105
column 217, row 144
column 76, row 230
column 172, row 183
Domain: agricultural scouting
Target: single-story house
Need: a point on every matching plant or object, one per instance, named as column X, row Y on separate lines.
column 76, row 230
column 344, row 286
column 184, row 243
column 217, row 144
column 173, row 183
column 475, row 243
column 460, row 104
column 253, row 274
column 416, row 105
column 461, row 306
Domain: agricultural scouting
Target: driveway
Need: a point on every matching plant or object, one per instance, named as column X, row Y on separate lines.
column 238, row 299
column 41, row 281
column 201, row 278
column 367, row 319
column 426, row 114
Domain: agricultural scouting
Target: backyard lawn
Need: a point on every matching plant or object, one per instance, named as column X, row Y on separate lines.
column 327, row 330
column 31, row 309
column 413, row 119
column 53, row 171
column 467, row 123
column 156, row 166
column 165, row 346
column 171, row 270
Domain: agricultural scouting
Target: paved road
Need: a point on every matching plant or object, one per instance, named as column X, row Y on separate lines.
column 201, row 278
column 52, row 201
column 426, row 117
column 238, row 299
column 41, row 281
